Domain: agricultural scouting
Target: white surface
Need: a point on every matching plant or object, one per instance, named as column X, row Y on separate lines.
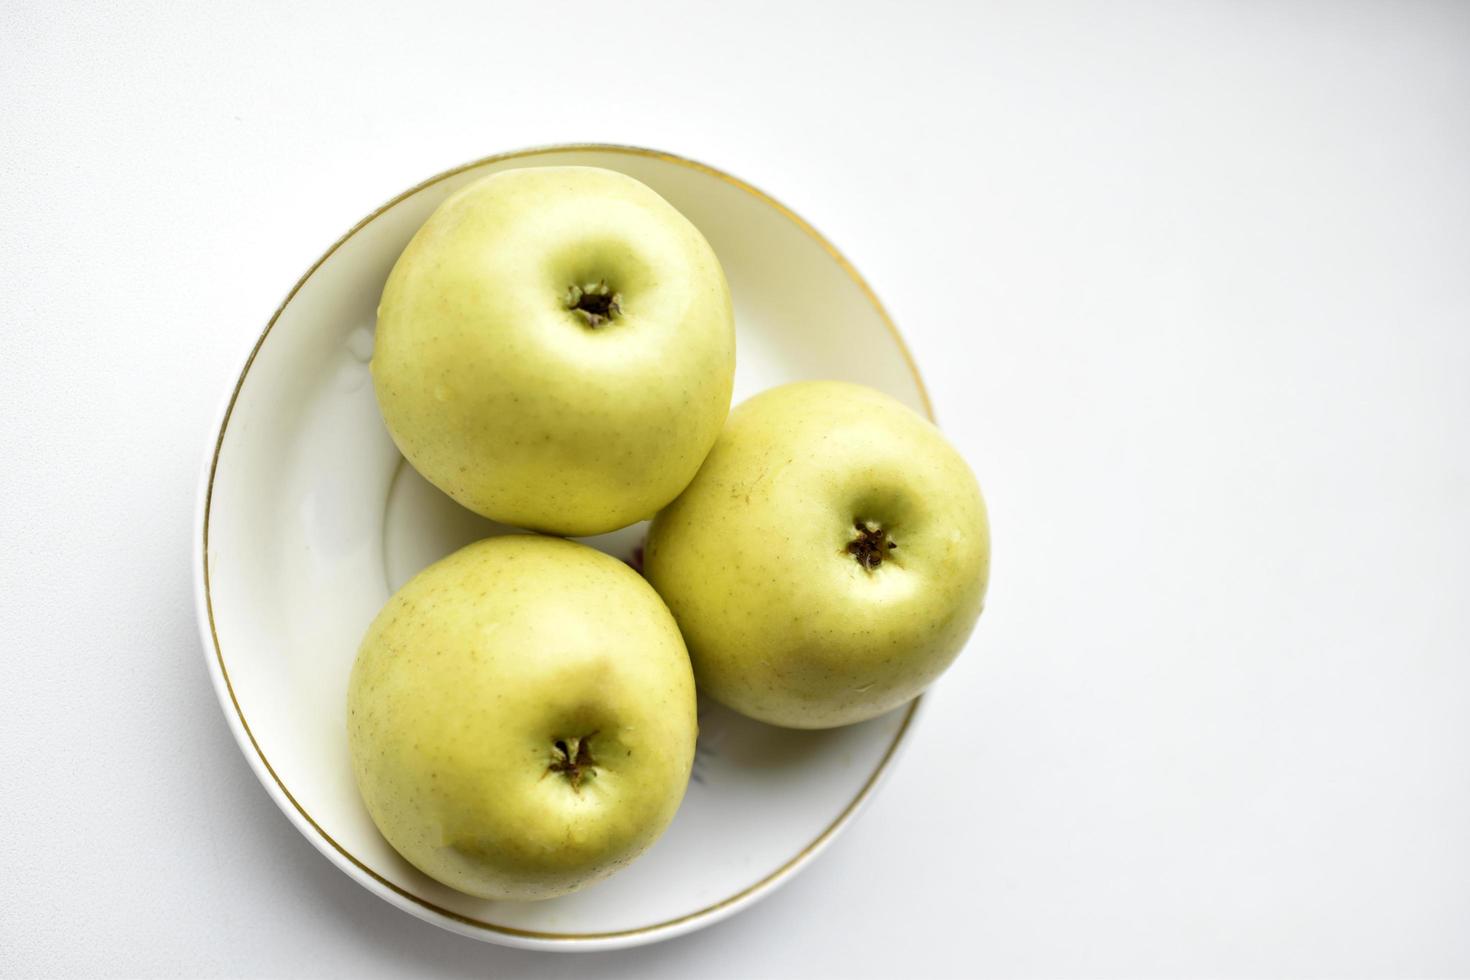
column 1188, row 283
column 314, row 519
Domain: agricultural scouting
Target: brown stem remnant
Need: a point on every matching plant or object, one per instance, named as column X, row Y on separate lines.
column 573, row 757
column 869, row 544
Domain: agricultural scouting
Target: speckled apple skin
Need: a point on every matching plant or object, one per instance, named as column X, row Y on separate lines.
column 469, row 676
column 507, row 400
column 782, row 623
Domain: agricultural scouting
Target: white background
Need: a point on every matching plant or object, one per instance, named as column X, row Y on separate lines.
column 1189, row 283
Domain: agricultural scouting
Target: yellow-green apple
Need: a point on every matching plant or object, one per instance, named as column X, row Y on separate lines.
column 830, row 559
column 521, row 718
column 555, row 349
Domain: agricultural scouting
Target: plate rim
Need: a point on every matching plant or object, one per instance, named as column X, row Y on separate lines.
column 265, row 772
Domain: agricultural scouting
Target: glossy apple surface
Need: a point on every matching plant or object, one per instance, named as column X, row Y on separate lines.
column 556, row 349
column 521, row 717
column 830, row 559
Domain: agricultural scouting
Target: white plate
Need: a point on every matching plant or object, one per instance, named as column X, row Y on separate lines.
column 308, row 518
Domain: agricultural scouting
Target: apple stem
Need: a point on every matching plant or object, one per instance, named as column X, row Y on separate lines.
column 595, row 303
column 573, row 758
column 870, row 544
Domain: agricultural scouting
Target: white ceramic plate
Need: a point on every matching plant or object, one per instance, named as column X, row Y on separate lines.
column 308, row 519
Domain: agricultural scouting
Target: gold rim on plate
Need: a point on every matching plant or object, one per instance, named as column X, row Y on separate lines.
column 572, row 937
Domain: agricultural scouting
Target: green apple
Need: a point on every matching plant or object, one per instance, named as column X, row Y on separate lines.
column 556, row 349
column 521, row 718
column 830, row 559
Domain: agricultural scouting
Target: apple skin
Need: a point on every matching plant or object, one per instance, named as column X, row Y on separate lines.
column 466, row 681
column 783, row 623
column 506, row 399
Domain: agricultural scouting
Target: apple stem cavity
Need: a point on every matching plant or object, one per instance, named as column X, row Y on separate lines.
column 870, row 544
column 595, row 303
column 573, row 758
